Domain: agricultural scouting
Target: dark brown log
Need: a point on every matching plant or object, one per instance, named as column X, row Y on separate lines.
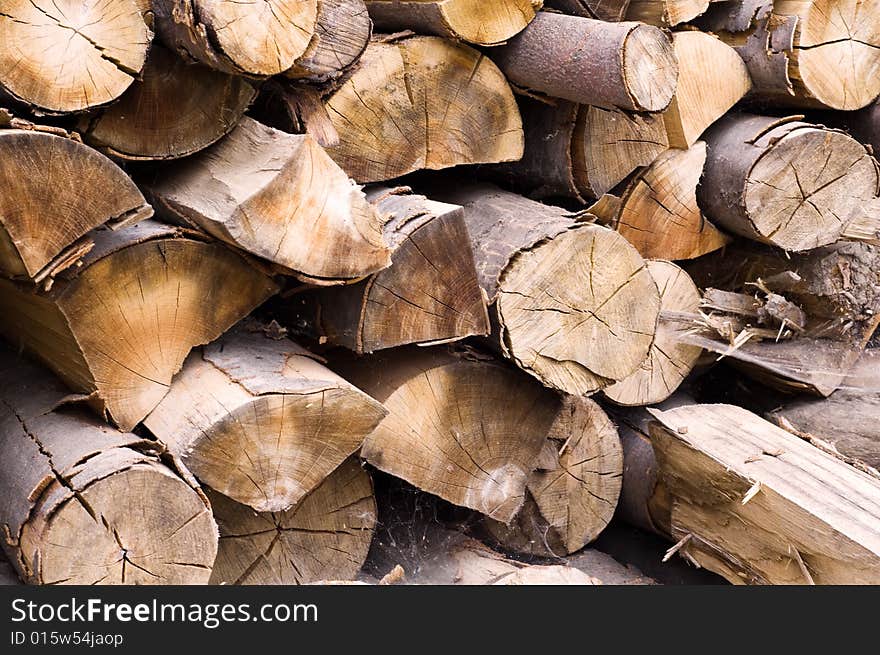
column 610, row 10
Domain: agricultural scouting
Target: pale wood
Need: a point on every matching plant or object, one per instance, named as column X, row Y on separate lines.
column 326, row 536
column 666, row 13
column 261, row 420
column 280, row 197
column 762, row 505
column 120, row 324
column 401, row 111
column 84, row 504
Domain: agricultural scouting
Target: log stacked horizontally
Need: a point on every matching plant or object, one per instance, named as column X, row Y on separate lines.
column 263, row 264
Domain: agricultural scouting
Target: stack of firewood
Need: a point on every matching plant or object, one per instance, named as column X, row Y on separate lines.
column 217, row 336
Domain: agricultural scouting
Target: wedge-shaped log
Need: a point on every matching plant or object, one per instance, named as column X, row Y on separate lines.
column 610, row 10
column 659, row 213
column 626, row 65
column 53, row 190
column 261, row 420
column 756, row 504
column 174, row 110
column 325, row 536
column 784, row 182
column 464, row 428
column 666, row 13
column 475, row 21
column 423, row 102
column 61, row 56
column 572, row 494
column 120, row 325
column 252, row 39
column 85, row 504
column 562, row 292
column 669, row 361
column 429, row 294
column 280, row 197
column 341, row 35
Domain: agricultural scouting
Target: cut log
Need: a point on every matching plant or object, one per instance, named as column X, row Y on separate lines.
column 84, row 504
column 659, row 213
column 260, row 420
column 626, row 65
column 711, row 79
column 610, row 10
column 342, row 33
column 580, row 151
column 429, row 294
column 277, row 196
column 324, row 537
column 784, row 182
column 666, row 13
column 62, row 56
column 805, row 54
column 669, row 361
column 53, row 190
column 175, row 110
column 474, row 21
column 460, row 427
column 561, row 291
column 423, row 102
column 251, row 39
column 120, row 324
column 572, row 494
column 756, row 504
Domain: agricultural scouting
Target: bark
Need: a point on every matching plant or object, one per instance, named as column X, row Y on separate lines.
column 120, row 324
column 85, row 504
column 261, row 420
column 627, row 65
column 174, row 110
column 609, row 10
column 666, row 13
column 63, row 56
column 277, row 196
column 401, row 112
column 784, row 182
column 326, row 536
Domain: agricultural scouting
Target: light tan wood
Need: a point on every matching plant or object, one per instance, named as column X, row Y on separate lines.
column 666, row 13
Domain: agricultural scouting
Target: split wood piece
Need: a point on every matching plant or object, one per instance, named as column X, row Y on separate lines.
column 609, row 10
column 804, row 53
column 53, row 190
column 627, row 65
column 669, row 361
column 120, row 325
column 666, row 13
column 280, row 197
column 580, row 151
column 342, row 33
column 85, row 504
column 561, row 291
column 756, row 504
column 783, row 182
column 324, row 537
column 63, row 56
column 464, row 428
column 711, row 79
column 659, row 213
column 474, row 21
column 261, row 420
column 572, row 494
column 174, row 110
column 423, row 102
column 252, row 39
column 428, row 295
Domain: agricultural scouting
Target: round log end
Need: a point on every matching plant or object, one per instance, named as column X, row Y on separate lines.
column 650, row 68
column 487, row 23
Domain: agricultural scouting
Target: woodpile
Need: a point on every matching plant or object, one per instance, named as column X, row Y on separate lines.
column 435, row 292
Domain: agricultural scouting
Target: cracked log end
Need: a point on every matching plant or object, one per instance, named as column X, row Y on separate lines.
column 260, row 420
column 122, row 324
column 324, row 537
column 55, row 195
column 669, row 361
column 572, row 494
column 280, row 197
column 176, row 109
column 242, row 38
column 423, row 102
column 64, row 56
